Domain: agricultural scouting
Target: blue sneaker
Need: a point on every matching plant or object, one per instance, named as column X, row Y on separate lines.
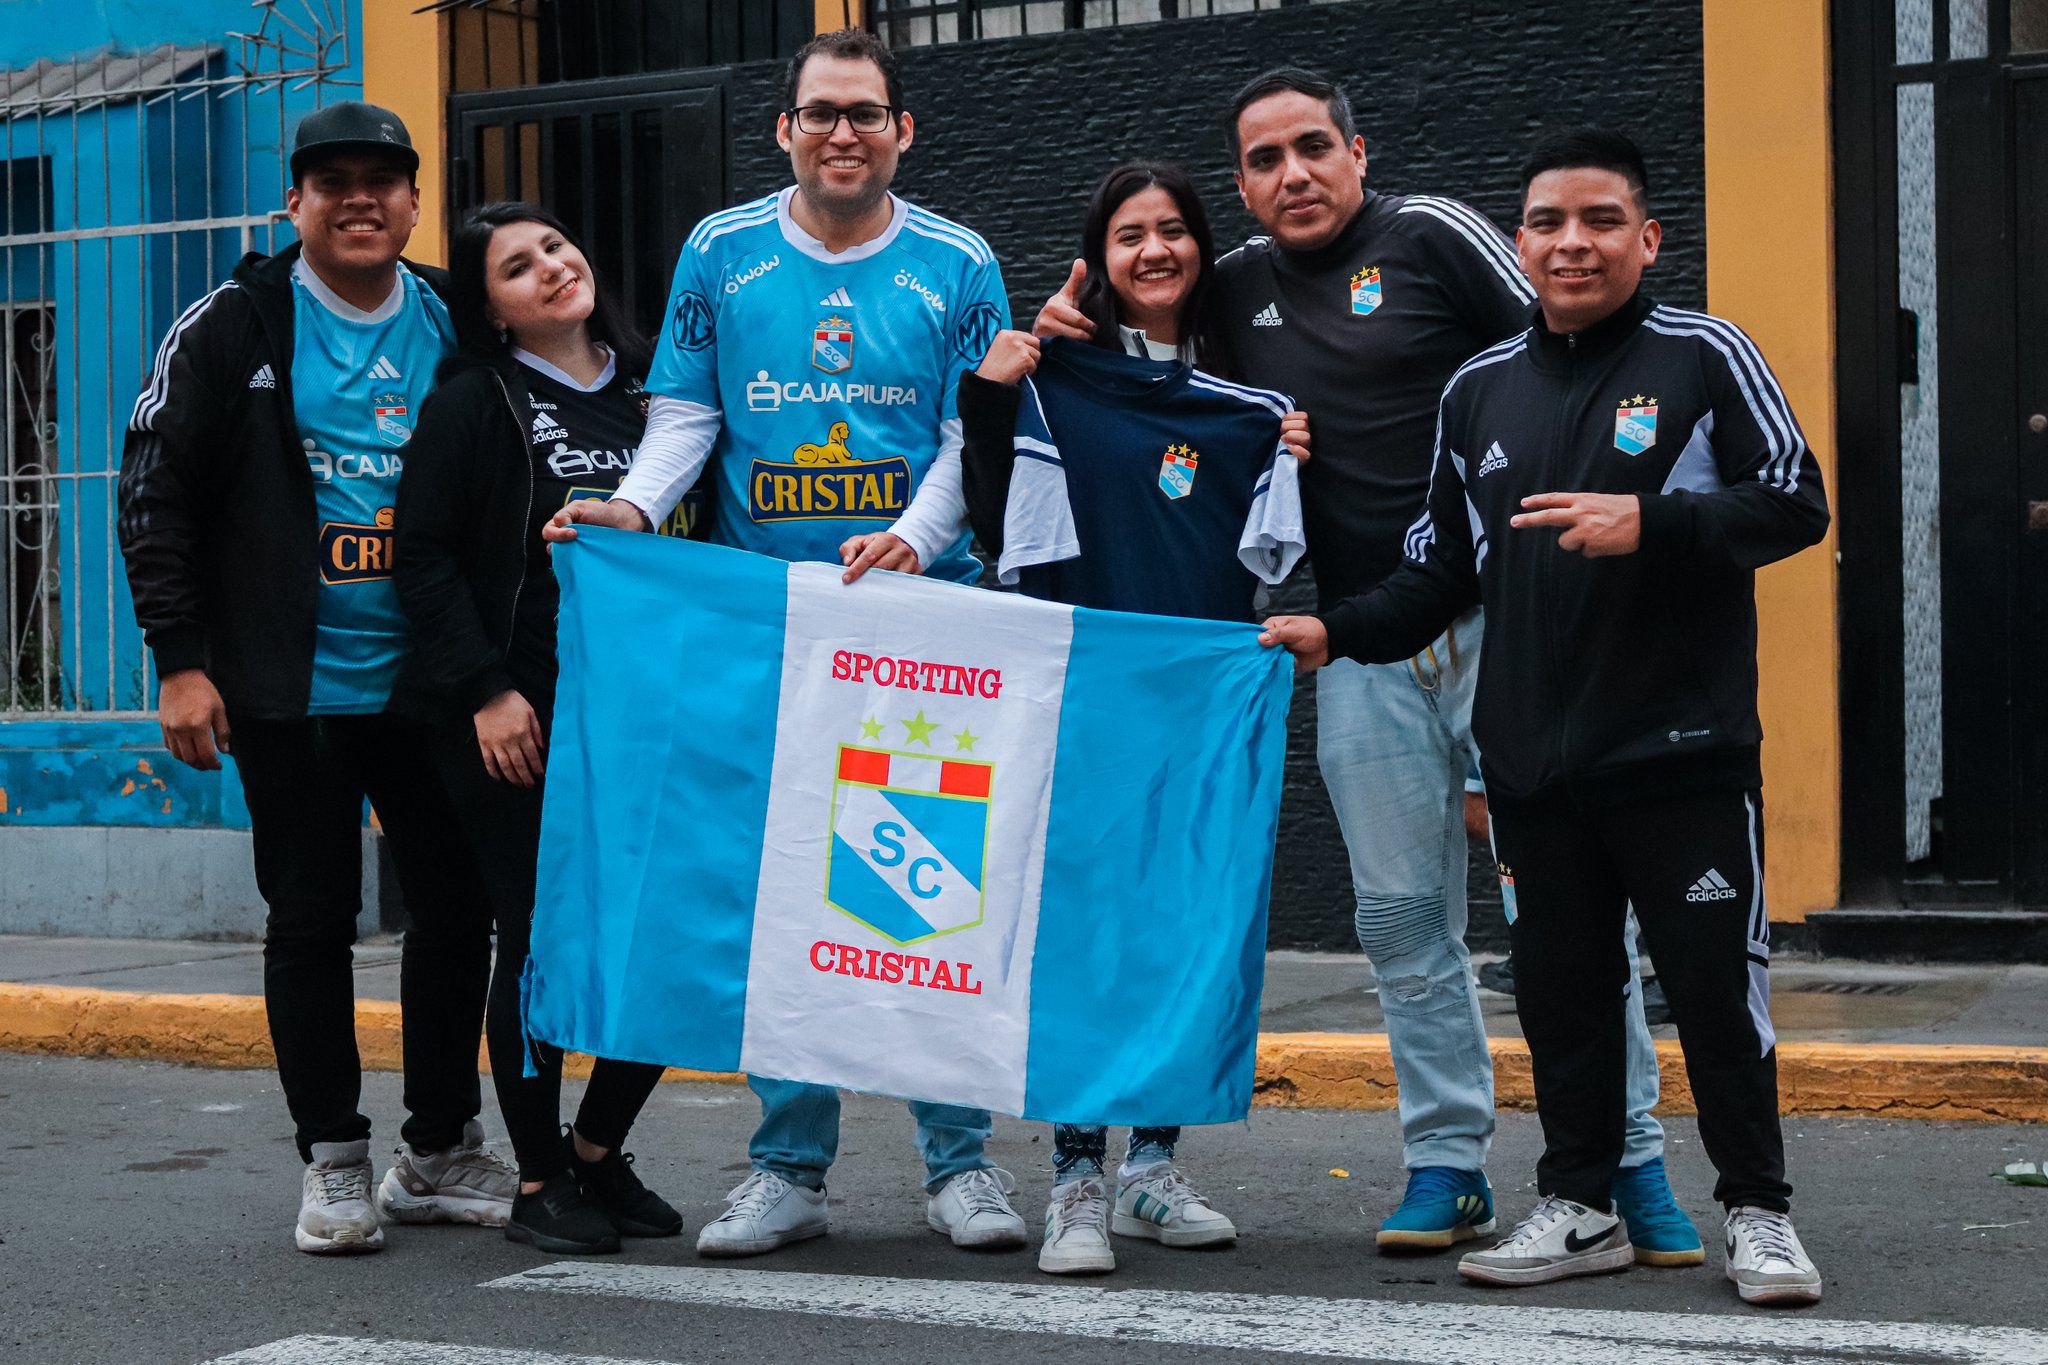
column 1662, row 1234
column 1443, row 1205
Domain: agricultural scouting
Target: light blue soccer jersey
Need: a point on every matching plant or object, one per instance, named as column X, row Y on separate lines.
column 357, row 382
column 834, row 374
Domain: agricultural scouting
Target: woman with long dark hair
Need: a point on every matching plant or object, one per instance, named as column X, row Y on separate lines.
column 1142, row 280
column 541, row 403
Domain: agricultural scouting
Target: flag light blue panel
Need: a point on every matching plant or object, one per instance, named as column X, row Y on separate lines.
column 642, row 955
column 1158, row 867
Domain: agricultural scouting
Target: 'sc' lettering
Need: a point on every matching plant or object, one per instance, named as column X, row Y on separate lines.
column 889, row 835
column 918, row 889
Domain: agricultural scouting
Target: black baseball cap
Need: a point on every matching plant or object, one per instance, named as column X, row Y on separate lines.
column 351, row 127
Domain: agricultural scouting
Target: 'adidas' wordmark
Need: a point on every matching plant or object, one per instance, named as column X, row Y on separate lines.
column 1711, row 887
column 1496, row 459
column 1269, row 316
column 263, row 379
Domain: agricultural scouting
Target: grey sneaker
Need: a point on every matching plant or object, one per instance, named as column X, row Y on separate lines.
column 335, row 1217
column 468, row 1183
column 1766, row 1261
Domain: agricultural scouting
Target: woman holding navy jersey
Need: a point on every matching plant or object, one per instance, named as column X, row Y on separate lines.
column 541, row 404
column 1145, row 262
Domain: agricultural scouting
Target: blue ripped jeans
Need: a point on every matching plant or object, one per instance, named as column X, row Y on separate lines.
column 1394, row 742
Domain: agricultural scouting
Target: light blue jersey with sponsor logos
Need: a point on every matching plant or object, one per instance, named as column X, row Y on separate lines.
column 834, row 374
column 357, row 382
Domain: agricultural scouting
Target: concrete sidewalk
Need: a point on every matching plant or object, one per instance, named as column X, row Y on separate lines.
column 1944, row 1041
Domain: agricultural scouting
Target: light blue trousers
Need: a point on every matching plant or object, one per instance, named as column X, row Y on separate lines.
column 1394, row 742
column 798, row 1135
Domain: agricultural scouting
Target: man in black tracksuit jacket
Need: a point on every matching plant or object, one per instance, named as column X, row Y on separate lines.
column 237, row 556
column 1616, row 715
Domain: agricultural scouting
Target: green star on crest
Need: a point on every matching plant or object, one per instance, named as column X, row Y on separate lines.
column 965, row 739
column 871, row 729
column 920, row 729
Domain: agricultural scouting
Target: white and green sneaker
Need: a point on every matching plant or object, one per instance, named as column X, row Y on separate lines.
column 1161, row 1204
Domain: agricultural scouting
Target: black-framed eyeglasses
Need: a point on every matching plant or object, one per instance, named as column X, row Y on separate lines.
column 820, row 119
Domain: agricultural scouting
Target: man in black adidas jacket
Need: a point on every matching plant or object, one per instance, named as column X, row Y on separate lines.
column 1607, row 483
column 259, row 471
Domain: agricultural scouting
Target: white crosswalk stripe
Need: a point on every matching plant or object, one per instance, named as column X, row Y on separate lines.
column 310, row 1350
column 1349, row 1329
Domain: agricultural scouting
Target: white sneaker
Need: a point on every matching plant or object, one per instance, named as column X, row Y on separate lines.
column 1160, row 1203
column 1765, row 1259
column 1559, row 1239
column 763, row 1212
column 973, row 1209
column 1077, row 1230
column 335, row 1217
column 468, row 1183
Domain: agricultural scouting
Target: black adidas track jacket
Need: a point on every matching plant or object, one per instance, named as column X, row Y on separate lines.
column 217, row 519
column 1626, row 676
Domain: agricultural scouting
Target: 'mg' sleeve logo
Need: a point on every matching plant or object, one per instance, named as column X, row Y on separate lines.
column 351, row 553
column 827, row 481
column 691, row 327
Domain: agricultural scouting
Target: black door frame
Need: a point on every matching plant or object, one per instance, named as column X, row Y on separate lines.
column 684, row 98
column 1994, row 755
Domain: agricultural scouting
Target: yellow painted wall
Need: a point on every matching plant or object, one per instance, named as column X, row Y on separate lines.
column 405, row 69
column 1770, row 269
column 831, row 14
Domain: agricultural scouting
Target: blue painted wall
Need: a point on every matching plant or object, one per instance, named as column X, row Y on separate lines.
column 113, row 301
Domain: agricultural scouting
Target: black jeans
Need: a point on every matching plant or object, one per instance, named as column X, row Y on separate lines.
column 503, row 820
column 305, row 781
column 1693, row 868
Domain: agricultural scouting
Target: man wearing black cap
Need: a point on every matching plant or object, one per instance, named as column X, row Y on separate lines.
column 257, row 487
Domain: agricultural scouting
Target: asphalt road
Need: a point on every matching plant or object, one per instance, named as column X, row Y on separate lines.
column 146, row 1215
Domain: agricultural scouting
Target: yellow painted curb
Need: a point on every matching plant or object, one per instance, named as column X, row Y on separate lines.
column 1880, row 1080
column 203, row 1030
column 1297, row 1070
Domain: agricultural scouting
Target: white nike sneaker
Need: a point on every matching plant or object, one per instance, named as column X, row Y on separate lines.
column 335, row 1217
column 973, row 1209
column 1160, row 1203
column 1559, row 1239
column 1077, row 1230
column 1765, row 1259
column 763, row 1212
column 468, row 1183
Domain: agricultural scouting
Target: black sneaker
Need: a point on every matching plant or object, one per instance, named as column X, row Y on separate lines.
column 610, row 1185
column 1656, row 1009
column 558, row 1217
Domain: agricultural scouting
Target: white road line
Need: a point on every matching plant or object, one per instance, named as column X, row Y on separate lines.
column 364, row 1351
column 1351, row 1329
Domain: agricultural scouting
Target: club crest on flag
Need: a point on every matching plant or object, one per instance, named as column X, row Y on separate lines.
column 908, row 842
column 392, row 426
column 1635, row 425
column 1365, row 290
column 1177, row 471
column 832, row 345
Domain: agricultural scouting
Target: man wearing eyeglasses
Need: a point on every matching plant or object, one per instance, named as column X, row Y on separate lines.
column 814, row 343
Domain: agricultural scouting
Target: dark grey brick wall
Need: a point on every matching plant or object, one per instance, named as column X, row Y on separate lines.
column 1012, row 134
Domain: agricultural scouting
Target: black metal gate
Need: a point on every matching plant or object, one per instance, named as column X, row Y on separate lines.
column 1940, row 137
column 630, row 164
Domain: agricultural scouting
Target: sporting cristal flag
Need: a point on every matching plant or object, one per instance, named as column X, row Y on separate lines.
column 905, row 837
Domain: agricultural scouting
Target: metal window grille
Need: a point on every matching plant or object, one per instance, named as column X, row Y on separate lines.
column 921, row 23
column 129, row 186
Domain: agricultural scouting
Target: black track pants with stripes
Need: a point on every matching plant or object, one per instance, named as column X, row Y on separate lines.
column 1693, row 868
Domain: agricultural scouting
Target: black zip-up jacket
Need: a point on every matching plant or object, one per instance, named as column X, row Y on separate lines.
column 1630, row 675
column 217, row 519
column 464, row 545
column 1364, row 332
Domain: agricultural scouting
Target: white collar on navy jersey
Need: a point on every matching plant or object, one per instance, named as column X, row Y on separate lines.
column 1138, row 344
column 561, row 376
column 815, row 249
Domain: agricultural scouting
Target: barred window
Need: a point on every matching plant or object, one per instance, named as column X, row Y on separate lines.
column 920, row 23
